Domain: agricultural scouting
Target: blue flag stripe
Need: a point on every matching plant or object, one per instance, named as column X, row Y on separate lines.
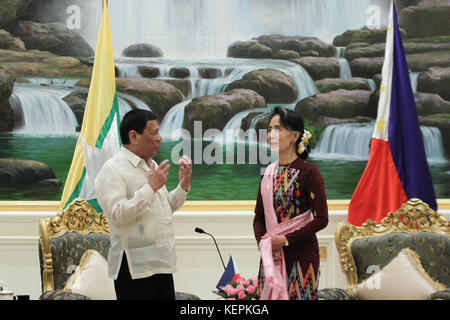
column 405, row 137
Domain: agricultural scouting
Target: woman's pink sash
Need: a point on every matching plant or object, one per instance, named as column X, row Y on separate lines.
column 275, row 277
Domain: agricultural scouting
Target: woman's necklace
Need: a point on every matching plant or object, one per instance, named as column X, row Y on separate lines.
column 282, row 174
column 288, row 164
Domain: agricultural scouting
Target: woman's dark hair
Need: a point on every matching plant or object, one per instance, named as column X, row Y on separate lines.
column 293, row 121
column 134, row 120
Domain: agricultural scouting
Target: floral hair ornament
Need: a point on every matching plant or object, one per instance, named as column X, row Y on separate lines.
column 304, row 142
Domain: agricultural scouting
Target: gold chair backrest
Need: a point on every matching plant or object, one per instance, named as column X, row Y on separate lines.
column 412, row 217
column 78, row 216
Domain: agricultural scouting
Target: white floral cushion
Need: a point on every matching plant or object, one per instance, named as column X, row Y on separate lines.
column 401, row 279
column 91, row 278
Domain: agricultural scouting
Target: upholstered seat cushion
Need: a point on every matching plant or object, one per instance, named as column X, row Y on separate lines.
column 433, row 249
column 91, row 278
column 401, row 279
column 68, row 249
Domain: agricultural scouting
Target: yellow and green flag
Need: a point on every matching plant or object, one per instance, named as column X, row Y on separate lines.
column 99, row 138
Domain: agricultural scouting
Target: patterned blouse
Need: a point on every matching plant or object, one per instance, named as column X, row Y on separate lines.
column 286, row 193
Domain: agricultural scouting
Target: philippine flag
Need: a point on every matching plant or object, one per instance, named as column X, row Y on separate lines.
column 397, row 169
column 231, row 273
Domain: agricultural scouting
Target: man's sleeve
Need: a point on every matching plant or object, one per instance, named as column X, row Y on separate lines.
column 177, row 197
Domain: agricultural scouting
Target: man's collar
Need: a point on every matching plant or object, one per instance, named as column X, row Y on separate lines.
column 131, row 156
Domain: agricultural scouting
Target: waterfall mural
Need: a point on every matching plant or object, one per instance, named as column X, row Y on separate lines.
column 205, row 29
column 345, row 71
column 42, row 110
column 216, row 68
column 351, row 141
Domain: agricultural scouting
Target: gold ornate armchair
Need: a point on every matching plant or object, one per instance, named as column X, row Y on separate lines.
column 63, row 241
column 413, row 226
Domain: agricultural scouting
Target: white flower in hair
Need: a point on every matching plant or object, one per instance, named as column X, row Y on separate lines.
column 305, row 140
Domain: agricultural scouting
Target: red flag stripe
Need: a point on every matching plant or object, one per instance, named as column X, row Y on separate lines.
column 379, row 190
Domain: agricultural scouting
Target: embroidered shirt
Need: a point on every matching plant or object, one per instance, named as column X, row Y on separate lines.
column 140, row 220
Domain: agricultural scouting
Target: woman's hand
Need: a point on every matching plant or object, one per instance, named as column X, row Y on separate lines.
column 278, row 242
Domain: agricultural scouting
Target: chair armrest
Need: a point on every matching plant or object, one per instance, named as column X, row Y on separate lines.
column 185, row 296
column 62, row 295
column 441, row 295
column 335, row 294
column 68, row 295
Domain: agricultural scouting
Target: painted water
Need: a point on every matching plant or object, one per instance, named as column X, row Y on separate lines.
column 228, row 70
column 209, row 182
column 204, row 28
column 344, row 66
